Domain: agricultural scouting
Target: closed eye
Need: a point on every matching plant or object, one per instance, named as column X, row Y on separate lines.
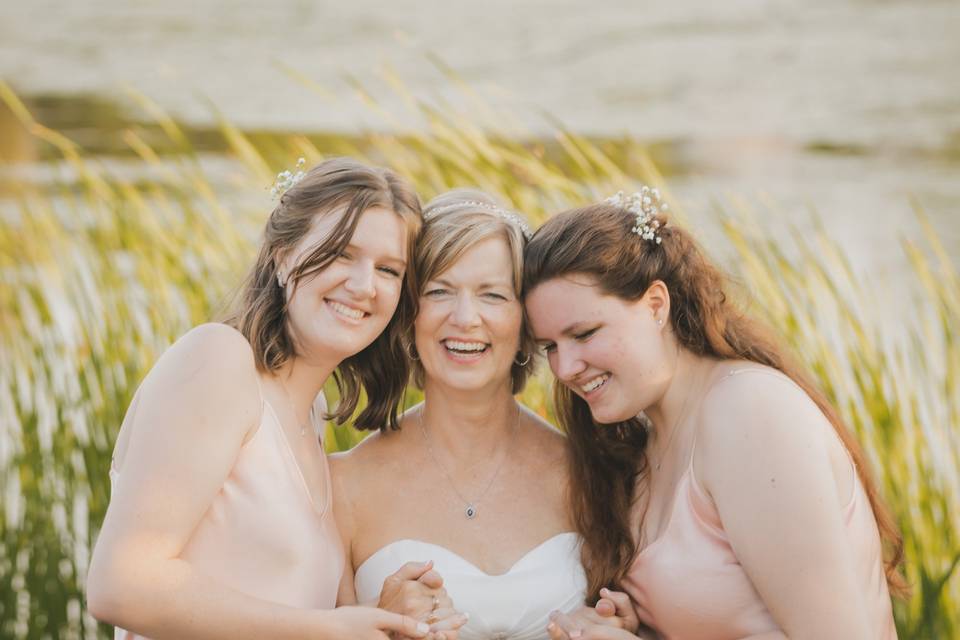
column 495, row 296
column 548, row 347
column 390, row 270
column 585, row 334
column 435, row 293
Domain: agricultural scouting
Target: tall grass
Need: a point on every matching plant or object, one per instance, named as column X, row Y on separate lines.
column 105, row 265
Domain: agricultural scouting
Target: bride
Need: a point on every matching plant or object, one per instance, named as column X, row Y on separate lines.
column 472, row 484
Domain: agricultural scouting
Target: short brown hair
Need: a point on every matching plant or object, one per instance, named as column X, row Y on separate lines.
column 456, row 221
column 338, row 184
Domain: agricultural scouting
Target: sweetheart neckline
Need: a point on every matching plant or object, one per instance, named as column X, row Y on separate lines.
column 470, row 564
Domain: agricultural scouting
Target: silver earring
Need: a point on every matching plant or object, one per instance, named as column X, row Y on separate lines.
column 411, row 350
column 525, row 360
column 660, row 322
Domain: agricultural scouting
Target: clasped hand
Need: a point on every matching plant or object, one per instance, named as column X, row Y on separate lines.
column 612, row 618
column 416, row 590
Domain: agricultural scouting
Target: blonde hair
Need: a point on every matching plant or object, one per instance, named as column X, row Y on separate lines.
column 455, row 222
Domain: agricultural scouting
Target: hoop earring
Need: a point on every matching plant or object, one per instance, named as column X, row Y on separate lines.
column 411, row 350
column 525, row 360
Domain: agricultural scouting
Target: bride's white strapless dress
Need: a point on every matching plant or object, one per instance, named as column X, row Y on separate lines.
column 510, row 606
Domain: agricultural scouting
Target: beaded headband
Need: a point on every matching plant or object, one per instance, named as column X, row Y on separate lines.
column 646, row 206
column 286, row 179
column 510, row 217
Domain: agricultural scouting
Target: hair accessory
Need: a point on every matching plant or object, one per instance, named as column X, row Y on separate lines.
column 646, row 206
column 286, row 179
column 509, row 216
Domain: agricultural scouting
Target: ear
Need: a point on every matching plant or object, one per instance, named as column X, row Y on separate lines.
column 657, row 299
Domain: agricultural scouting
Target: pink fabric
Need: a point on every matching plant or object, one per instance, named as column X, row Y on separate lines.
column 262, row 535
column 689, row 585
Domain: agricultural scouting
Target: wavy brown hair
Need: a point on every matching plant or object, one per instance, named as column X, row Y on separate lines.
column 606, row 462
column 337, row 186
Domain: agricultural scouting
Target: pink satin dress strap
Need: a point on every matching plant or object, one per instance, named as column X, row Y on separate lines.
column 263, row 534
column 689, row 585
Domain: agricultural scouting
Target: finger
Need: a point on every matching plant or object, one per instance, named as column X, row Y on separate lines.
column 450, row 622
column 606, row 608
column 431, row 579
column 411, row 571
column 624, row 606
column 556, row 633
column 404, row 625
column 567, row 624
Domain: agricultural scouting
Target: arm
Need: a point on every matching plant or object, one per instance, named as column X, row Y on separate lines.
column 764, row 457
column 193, row 413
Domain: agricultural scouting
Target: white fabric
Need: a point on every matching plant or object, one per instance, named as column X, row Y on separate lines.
column 511, row 606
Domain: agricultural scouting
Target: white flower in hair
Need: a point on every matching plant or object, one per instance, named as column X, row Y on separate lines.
column 646, row 206
column 286, row 179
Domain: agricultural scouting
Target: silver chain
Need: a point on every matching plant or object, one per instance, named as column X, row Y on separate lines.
column 303, row 426
column 471, row 509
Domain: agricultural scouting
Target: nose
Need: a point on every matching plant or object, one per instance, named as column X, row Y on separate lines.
column 360, row 281
column 566, row 364
column 464, row 313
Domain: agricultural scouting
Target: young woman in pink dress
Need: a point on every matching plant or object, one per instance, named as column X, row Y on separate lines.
column 220, row 522
column 738, row 506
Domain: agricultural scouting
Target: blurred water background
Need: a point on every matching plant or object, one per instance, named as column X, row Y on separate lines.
column 814, row 146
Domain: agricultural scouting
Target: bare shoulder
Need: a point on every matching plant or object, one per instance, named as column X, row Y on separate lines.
column 210, row 368
column 214, row 346
column 750, row 407
column 373, row 451
column 545, row 445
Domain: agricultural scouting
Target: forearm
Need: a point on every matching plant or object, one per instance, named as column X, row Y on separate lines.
column 173, row 600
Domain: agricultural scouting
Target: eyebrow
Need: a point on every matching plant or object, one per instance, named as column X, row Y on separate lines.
column 483, row 285
column 570, row 330
column 394, row 259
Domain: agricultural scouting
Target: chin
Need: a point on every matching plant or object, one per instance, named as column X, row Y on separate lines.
column 610, row 415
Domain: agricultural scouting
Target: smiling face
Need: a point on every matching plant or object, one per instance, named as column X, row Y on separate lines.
column 467, row 330
column 613, row 353
column 342, row 308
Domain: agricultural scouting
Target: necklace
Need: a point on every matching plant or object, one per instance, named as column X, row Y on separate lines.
column 673, row 432
column 471, row 509
column 293, row 411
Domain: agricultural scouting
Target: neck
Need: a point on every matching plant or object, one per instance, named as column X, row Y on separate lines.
column 467, row 423
column 302, row 381
column 683, row 390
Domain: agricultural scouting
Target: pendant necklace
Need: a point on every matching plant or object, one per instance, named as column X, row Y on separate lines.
column 470, row 511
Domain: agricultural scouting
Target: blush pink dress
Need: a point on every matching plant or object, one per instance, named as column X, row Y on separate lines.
column 688, row 584
column 262, row 534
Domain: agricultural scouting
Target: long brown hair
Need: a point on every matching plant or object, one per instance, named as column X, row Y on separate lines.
column 335, row 185
column 606, row 461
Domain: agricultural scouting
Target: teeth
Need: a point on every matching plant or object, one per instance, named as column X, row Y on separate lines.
column 344, row 310
column 465, row 346
column 593, row 384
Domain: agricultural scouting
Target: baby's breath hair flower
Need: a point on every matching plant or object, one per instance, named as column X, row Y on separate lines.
column 509, row 216
column 646, row 206
column 286, row 179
